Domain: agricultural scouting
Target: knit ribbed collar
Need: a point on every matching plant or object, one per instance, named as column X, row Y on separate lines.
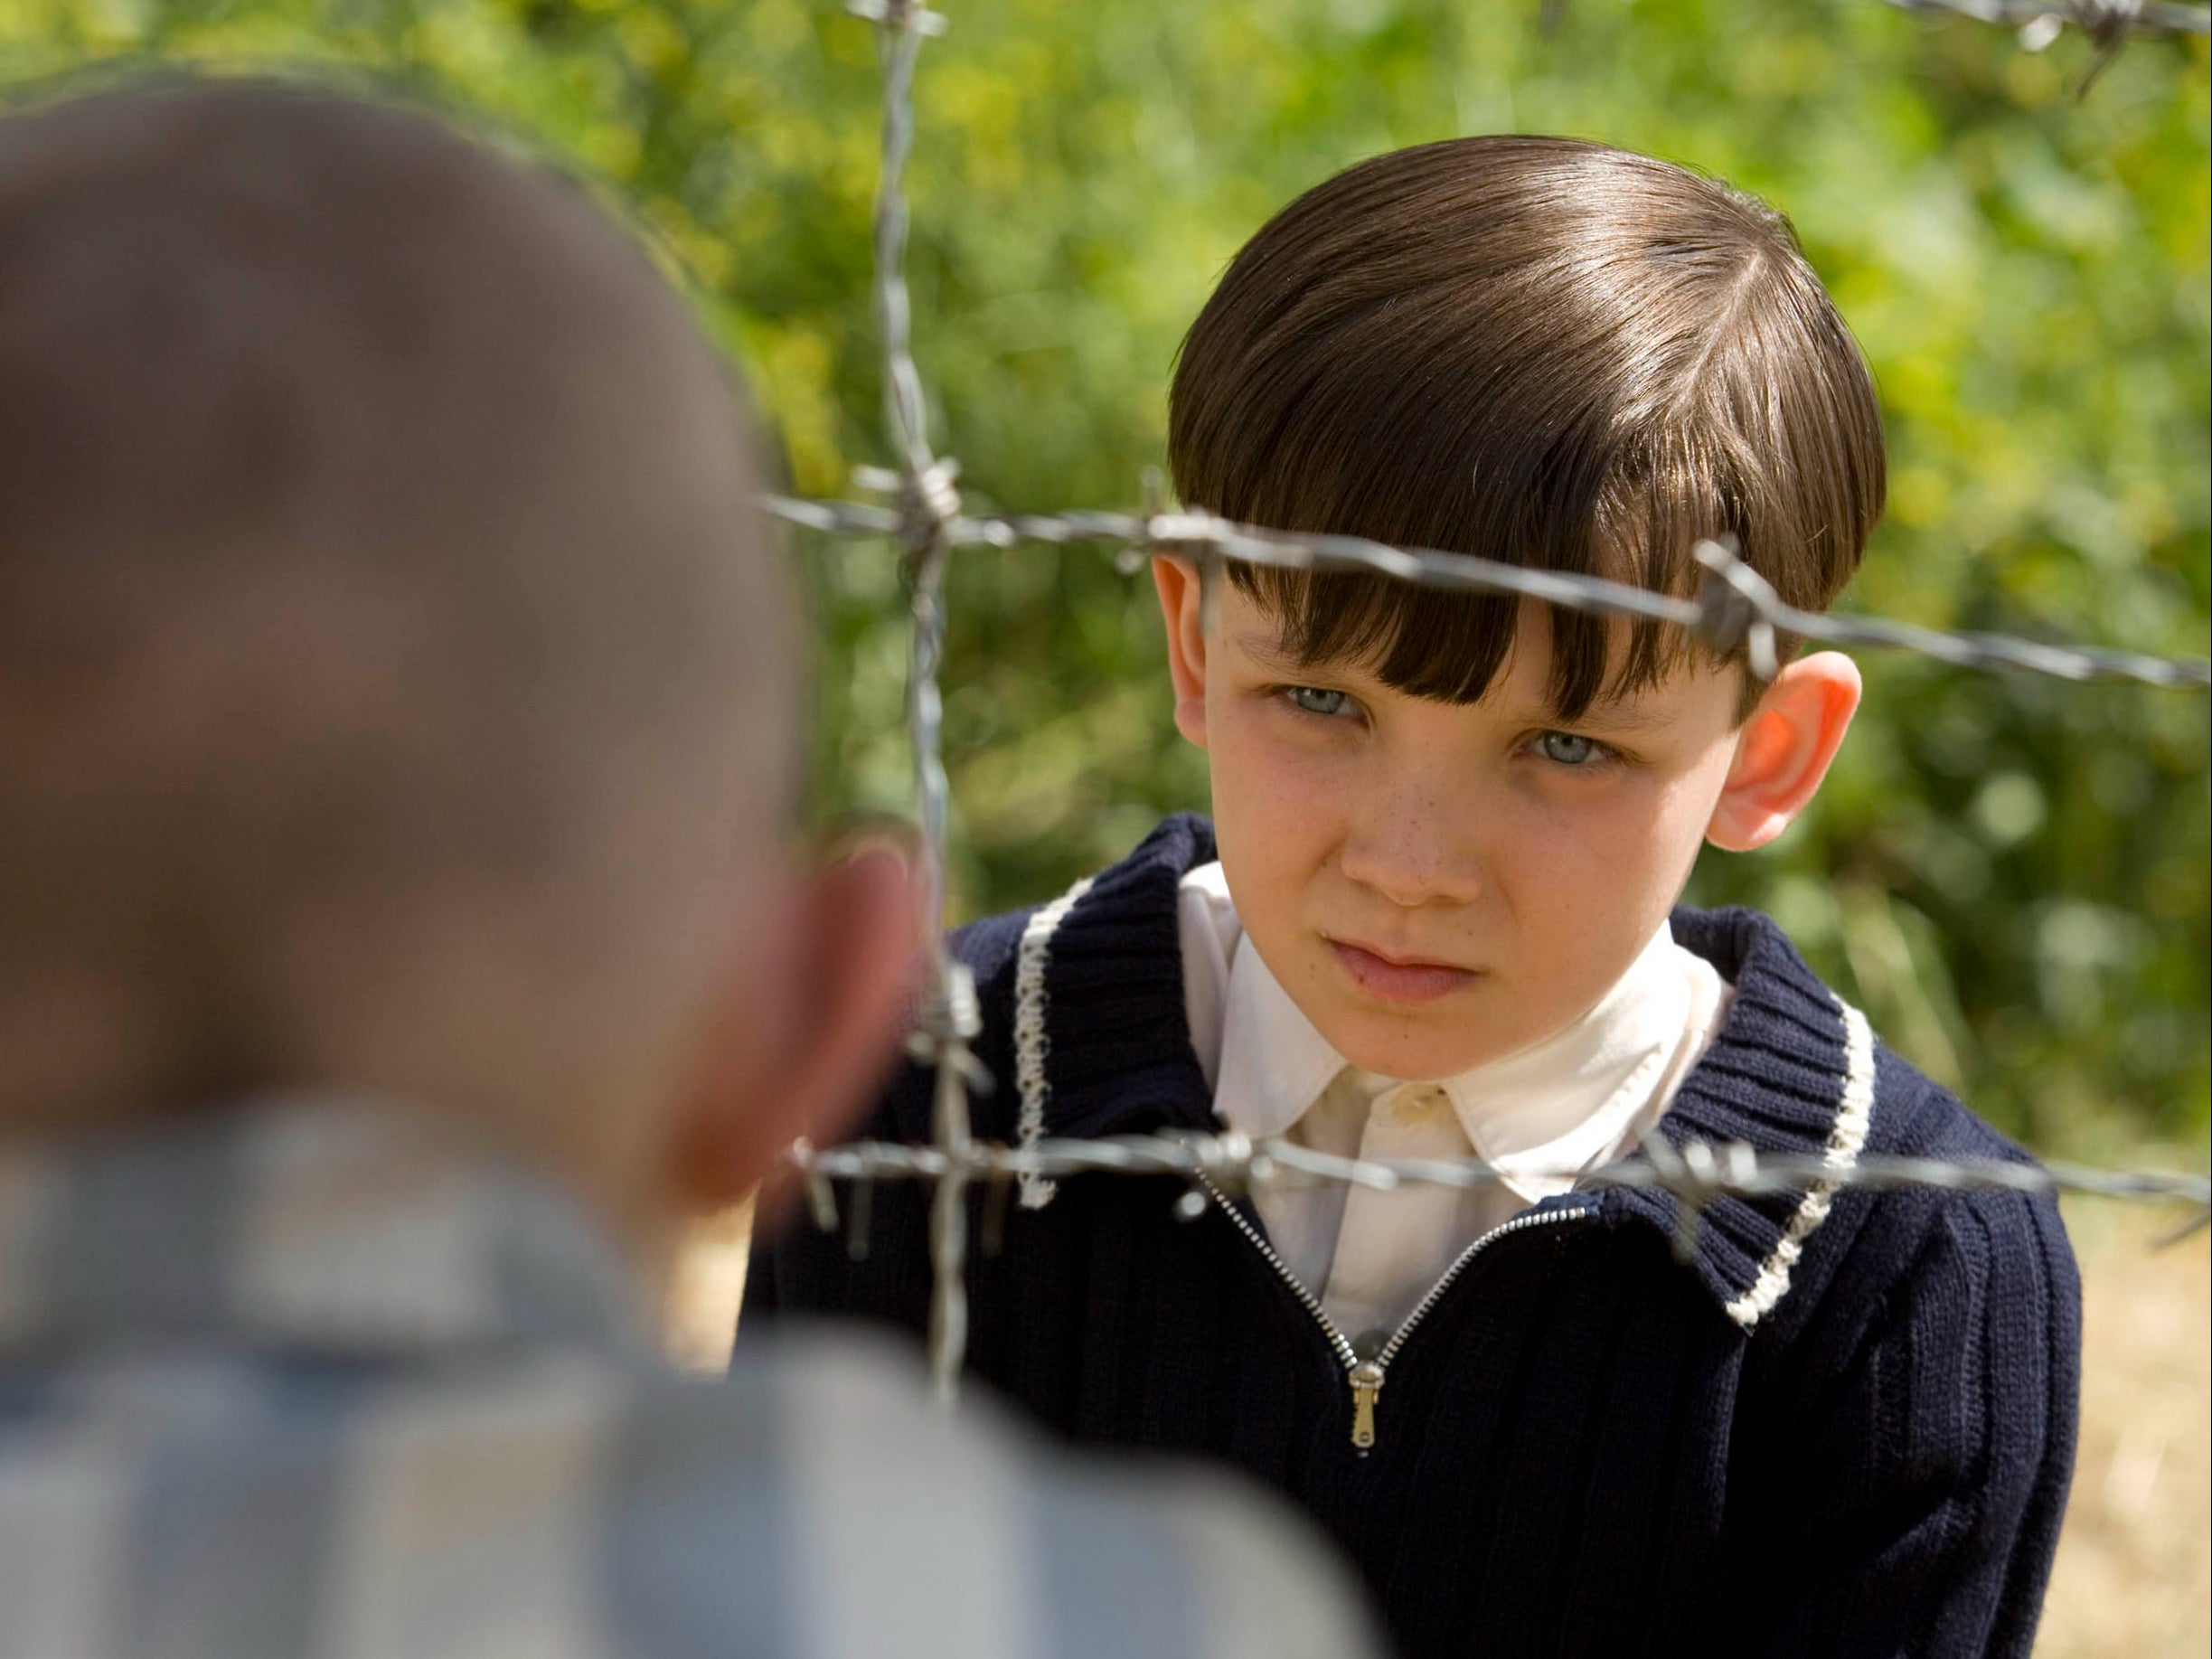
column 1790, row 1069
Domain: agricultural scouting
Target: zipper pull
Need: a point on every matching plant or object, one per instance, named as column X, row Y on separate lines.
column 1366, row 1383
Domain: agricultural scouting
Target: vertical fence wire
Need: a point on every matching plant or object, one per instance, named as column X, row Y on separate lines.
column 927, row 505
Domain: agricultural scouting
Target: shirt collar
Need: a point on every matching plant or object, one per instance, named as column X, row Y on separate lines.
column 1274, row 1062
column 1560, row 1103
column 308, row 1226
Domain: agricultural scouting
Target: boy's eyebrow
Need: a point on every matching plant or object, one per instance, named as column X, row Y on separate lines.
column 1613, row 713
column 1620, row 712
column 1616, row 715
column 1270, row 651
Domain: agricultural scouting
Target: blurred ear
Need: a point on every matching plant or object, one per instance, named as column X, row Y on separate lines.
column 1182, row 607
column 806, row 1027
column 1784, row 749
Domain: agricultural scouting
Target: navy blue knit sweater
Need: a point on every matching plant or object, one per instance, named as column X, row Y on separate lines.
column 1846, row 1428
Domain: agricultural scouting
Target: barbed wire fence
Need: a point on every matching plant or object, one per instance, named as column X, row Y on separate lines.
column 1735, row 611
column 2109, row 24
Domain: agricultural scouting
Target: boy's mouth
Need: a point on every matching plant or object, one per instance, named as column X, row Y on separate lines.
column 1398, row 979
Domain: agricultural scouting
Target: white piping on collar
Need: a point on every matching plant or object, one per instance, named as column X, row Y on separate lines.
column 1032, row 1043
column 1847, row 1138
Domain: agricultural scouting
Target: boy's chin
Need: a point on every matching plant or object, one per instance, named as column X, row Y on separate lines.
column 1412, row 1048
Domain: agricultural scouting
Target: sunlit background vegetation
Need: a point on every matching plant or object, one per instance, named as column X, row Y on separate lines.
column 2011, row 875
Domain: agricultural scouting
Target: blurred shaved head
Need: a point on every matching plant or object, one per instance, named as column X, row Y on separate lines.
column 394, row 683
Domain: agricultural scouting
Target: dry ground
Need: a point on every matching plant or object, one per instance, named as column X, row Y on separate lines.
column 2134, row 1574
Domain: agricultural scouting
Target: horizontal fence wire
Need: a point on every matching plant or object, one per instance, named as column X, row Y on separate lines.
column 1734, row 608
column 1735, row 611
column 2104, row 21
column 1693, row 1172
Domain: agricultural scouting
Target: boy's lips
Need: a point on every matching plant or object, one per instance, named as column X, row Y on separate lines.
column 1399, row 979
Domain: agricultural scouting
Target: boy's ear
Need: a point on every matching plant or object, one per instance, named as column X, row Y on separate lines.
column 1182, row 606
column 805, row 1029
column 1782, row 752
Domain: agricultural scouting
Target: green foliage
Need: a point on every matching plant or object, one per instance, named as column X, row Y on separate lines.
column 2012, row 876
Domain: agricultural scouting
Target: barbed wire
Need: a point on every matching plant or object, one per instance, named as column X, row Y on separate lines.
column 2040, row 22
column 1734, row 609
column 2110, row 24
column 927, row 505
column 1236, row 1162
column 1693, row 1173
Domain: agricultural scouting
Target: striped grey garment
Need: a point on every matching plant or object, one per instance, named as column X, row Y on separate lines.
column 302, row 1382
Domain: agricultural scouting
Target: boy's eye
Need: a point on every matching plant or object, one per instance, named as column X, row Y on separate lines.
column 1315, row 700
column 1567, row 749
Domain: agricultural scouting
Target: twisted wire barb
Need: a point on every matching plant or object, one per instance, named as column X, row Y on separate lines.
column 2104, row 21
column 2110, row 24
column 1735, row 609
column 1736, row 604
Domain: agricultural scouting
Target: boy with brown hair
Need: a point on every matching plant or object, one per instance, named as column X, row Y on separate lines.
column 1434, row 916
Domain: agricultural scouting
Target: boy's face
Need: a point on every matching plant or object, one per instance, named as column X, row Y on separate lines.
column 1440, row 885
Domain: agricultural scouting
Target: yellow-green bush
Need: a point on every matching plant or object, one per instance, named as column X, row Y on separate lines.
column 2011, row 875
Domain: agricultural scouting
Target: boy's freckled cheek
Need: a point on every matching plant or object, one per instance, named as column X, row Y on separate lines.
column 1252, row 771
column 1562, row 839
column 1588, row 870
column 1275, row 817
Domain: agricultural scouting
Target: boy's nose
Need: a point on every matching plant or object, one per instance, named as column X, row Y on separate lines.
column 1412, row 857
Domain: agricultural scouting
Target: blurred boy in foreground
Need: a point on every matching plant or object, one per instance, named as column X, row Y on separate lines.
column 398, row 937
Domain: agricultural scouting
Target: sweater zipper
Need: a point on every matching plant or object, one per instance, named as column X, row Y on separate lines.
column 1367, row 1375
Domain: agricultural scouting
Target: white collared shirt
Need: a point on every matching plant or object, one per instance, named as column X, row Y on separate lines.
column 1580, row 1097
